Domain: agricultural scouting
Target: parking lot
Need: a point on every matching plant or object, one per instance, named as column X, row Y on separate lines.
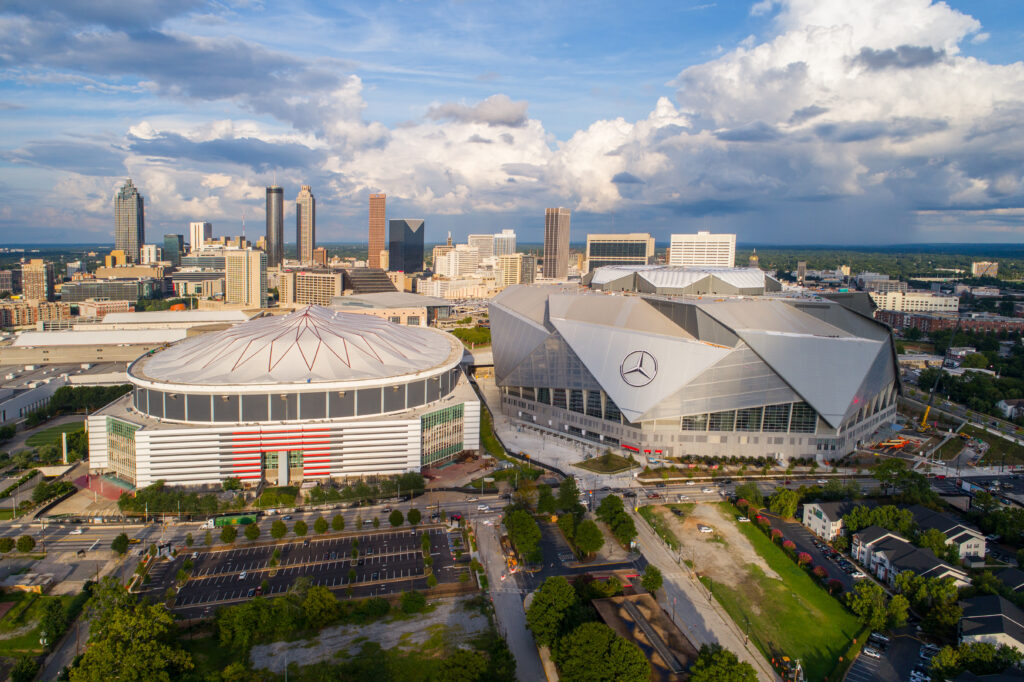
column 896, row 661
column 379, row 562
column 821, row 554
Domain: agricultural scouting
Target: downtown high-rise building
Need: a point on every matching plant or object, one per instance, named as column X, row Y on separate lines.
column 129, row 221
column 377, row 224
column 483, row 243
column 556, row 243
column 174, row 247
column 37, row 280
column 245, row 278
column 198, row 233
column 305, row 225
column 275, row 226
column 703, row 249
column 405, row 245
column 505, row 243
column 636, row 248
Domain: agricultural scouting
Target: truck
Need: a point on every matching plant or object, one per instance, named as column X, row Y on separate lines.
column 510, row 555
column 231, row 520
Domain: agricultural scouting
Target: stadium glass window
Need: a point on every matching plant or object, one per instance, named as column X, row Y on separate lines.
column 576, row 400
column 722, row 421
column 694, row 422
column 514, row 390
column 776, row 418
column 594, row 404
column 559, row 398
column 544, row 395
column 269, row 460
column 611, row 410
column 749, row 419
column 528, row 393
column 295, row 459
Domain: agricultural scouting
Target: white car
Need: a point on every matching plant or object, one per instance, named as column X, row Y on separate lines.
column 871, row 652
column 707, row 490
column 76, row 531
column 705, row 529
column 822, row 481
column 857, row 575
column 690, row 483
column 743, row 519
column 482, row 507
column 241, row 576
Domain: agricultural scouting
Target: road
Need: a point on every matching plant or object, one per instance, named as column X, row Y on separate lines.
column 507, row 598
column 696, row 613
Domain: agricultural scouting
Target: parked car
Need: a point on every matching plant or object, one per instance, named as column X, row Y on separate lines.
column 482, row 507
column 76, row 531
column 705, row 529
column 707, row 490
column 691, row 483
column 858, row 575
column 251, row 593
column 242, row 575
column 743, row 519
column 871, row 652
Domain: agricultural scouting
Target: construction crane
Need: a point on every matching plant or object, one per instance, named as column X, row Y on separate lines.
column 938, row 377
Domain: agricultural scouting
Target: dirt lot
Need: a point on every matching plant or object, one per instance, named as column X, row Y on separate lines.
column 722, row 555
column 449, row 621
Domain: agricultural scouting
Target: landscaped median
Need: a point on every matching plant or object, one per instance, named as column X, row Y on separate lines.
column 658, row 525
column 790, row 616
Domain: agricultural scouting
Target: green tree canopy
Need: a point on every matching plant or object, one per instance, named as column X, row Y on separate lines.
column 414, row 516
column 589, row 538
column 138, row 643
column 26, row 543
column 278, row 529
column 338, row 522
column 784, row 502
column 751, row 493
column 568, row 495
column 301, row 528
column 524, row 533
column 120, row 543
column 652, row 579
column 320, row 525
column 548, row 608
column 396, row 518
column 717, row 664
column 594, row 653
column 252, row 531
column 228, row 534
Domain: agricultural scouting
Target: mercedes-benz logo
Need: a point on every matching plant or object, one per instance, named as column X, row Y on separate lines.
column 638, row 368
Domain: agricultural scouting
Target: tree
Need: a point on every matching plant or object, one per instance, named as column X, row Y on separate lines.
column 208, row 538
column 6, row 544
column 25, row 669
column 53, row 621
column 717, row 664
column 526, row 493
column 278, row 529
column 784, row 502
column 589, row 538
column 869, row 602
column 609, row 508
column 550, row 605
column 463, row 666
column 320, row 525
column 413, row 602
column 338, row 522
column 189, row 540
column 568, row 495
column 396, row 518
column 432, row 580
column 26, row 543
column 751, row 493
column 567, row 524
column 935, row 540
column 252, row 531
column 594, row 652
column 232, row 484
column 320, row 606
column 376, row 522
column 889, row 472
column 652, row 579
column 546, row 503
column 414, row 517
column 228, row 534
column 301, row 528
column 138, row 643
column 120, row 543
column 524, row 533
column 979, row 658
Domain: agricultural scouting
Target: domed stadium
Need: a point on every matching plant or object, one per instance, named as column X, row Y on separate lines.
column 316, row 393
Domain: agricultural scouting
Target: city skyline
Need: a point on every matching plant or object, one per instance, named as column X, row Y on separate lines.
column 750, row 118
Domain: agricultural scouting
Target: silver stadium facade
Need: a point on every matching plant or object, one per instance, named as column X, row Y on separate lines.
column 672, row 376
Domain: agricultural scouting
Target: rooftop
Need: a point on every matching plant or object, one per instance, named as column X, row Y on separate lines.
column 164, row 316
column 100, row 338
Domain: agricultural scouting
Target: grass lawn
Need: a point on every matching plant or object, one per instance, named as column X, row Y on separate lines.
column 508, row 475
column 950, row 449
column 26, row 612
column 608, row 463
column 1000, row 450
column 490, row 442
column 52, row 434
column 659, row 526
column 794, row 616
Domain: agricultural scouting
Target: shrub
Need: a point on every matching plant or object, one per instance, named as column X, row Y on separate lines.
column 26, row 543
column 820, row 573
column 788, row 545
column 835, row 586
column 776, row 534
column 803, row 558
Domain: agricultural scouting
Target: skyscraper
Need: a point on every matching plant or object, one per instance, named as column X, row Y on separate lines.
column 556, row 243
column 129, row 221
column 174, row 246
column 483, row 243
column 505, row 243
column 703, row 249
column 376, row 240
column 275, row 226
column 37, row 280
column 405, row 245
column 305, row 225
column 198, row 233
column 636, row 248
column 245, row 277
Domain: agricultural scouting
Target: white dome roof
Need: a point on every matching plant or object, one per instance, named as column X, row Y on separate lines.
column 311, row 345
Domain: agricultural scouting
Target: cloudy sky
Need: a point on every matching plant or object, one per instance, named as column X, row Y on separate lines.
column 785, row 121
